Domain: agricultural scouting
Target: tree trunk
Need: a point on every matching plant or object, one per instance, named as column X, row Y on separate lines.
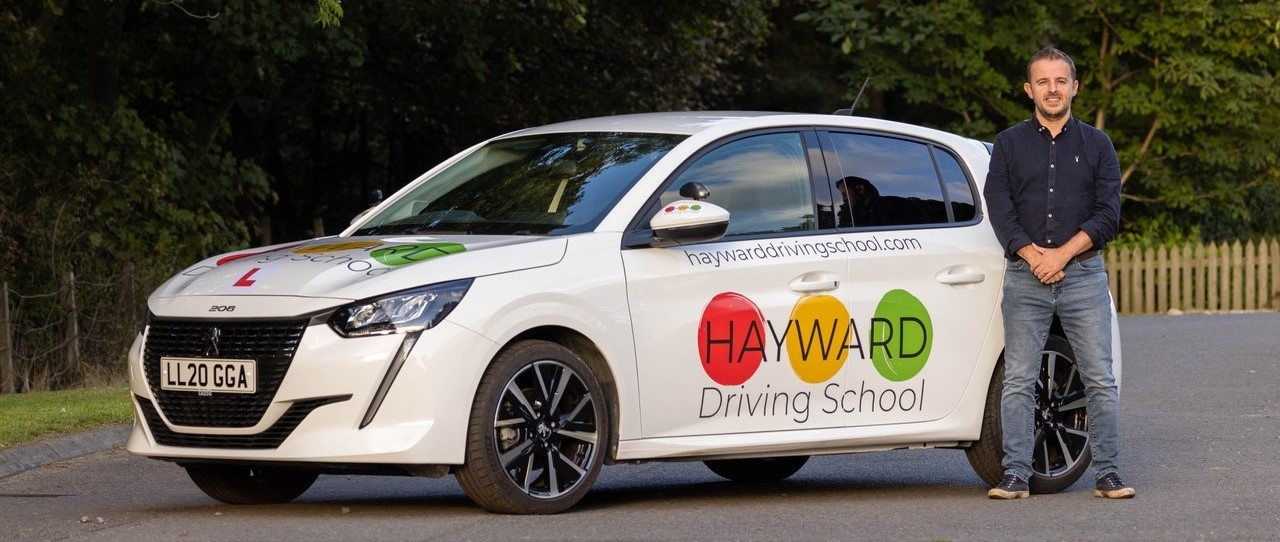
column 7, row 377
column 70, row 373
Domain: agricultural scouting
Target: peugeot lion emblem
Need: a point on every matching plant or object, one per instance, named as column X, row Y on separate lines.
column 214, row 335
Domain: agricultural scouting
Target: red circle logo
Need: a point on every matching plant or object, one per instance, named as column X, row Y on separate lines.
column 731, row 338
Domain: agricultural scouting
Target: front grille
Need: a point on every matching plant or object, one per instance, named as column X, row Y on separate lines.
column 268, row 439
column 270, row 344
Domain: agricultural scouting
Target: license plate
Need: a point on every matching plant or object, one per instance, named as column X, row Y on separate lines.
column 208, row 375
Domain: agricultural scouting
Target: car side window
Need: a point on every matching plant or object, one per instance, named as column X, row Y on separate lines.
column 763, row 181
column 884, row 181
column 959, row 190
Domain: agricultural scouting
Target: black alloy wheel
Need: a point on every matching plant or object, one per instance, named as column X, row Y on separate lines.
column 1062, row 421
column 1060, row 451
column 534, row 445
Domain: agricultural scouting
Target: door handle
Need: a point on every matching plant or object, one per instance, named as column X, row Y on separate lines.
column 815, row 281
column 960, row 274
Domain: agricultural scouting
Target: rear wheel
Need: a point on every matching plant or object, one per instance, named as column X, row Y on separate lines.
column 765, row 469
column 1060, row 453
column 536, row 430
column 247, row 484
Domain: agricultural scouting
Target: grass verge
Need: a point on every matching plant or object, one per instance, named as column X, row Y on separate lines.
column 27, row 417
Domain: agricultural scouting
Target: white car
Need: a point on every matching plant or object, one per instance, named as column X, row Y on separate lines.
column 744, row 289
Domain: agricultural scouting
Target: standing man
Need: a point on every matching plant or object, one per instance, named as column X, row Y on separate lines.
column 1053, row 192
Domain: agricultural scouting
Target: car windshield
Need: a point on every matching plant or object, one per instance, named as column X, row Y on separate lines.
column 552, row 184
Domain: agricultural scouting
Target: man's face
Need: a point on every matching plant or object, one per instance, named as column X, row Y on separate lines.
column 1051, row 88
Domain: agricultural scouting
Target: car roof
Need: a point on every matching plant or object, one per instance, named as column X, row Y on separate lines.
column 677, row 122
column 692, row 122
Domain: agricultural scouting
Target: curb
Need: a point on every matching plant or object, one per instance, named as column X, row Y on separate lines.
column 30, row 456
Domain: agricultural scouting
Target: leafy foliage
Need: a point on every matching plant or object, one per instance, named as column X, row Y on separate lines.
column 328, row 12
column 142, row 135
column 91, row 182
column 1187, row 90
column 410, row 83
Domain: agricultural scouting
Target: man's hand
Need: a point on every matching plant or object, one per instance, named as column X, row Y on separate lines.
column 1049, row 264
column 1052, row 265
column 1046, row 263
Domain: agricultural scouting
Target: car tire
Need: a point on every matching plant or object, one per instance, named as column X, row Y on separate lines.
column 1061, row 449
column 757, row 470
column 538, row 432
column 246, row 484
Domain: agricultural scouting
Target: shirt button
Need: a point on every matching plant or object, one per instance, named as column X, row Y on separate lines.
column 1050, row 215
column 1050, row 166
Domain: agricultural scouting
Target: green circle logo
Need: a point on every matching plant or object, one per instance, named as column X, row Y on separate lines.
column 406, row 254
column 901, row 336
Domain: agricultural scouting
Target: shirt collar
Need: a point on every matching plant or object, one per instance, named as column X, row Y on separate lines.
column 1070, row 125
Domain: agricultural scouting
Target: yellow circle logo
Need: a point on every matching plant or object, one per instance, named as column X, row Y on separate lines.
column 817, row 343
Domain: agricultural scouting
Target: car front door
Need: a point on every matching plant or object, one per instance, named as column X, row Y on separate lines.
column 741, row 334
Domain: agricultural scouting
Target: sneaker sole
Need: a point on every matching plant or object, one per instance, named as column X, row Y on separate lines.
column 1123, row 493
column 997, row 493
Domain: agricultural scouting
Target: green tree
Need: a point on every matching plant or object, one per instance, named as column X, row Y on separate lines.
column 935, row 63
column 1189, row 92
column 109, row 169
column 143, row 135
column 1186, row 90
column 423, row 80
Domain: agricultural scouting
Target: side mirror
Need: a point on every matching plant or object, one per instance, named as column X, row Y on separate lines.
column 686, row 222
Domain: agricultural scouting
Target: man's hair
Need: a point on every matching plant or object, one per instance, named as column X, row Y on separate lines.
column 1051, row 53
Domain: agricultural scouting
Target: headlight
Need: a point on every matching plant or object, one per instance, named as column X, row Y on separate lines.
column 401, row 312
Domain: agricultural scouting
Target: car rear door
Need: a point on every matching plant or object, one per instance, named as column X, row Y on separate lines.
column 925, row 277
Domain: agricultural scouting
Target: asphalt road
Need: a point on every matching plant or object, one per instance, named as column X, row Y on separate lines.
column 1201, row 444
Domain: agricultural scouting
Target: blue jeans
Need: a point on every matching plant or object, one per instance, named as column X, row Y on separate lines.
column 1082, row 302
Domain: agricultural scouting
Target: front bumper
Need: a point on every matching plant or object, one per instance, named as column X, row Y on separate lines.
column 315, row 415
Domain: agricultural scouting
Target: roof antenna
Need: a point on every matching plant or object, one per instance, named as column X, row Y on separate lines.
column 857, row 99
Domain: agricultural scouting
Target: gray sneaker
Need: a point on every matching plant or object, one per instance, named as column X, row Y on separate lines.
column 1010, row 487
column 1111, row 486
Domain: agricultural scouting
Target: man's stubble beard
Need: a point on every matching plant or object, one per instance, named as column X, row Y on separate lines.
column 1064, row 113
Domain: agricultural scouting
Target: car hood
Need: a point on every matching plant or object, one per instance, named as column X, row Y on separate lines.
column 351, row 268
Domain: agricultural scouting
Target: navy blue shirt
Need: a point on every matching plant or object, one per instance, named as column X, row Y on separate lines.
column 1043, row 190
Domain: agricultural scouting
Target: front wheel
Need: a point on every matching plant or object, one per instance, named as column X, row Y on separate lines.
column 537, row 426
column 1060, row 453
column 764, row 469
column 248, row 484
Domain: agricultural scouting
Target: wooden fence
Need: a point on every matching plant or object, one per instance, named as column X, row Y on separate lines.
column 1196, row 278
